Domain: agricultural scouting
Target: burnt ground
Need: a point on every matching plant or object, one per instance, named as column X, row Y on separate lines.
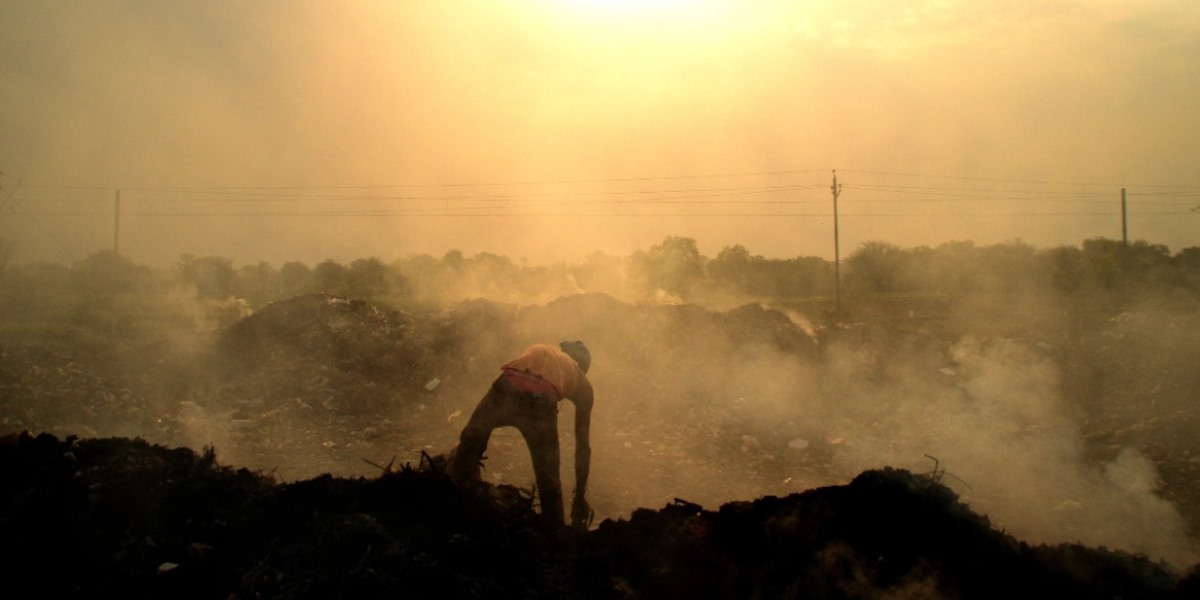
column 320, row 384
column 122, row 517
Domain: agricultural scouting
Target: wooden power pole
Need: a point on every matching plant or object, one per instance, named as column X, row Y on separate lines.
column 837, row 249
column 117, row 224
column 1124, row 221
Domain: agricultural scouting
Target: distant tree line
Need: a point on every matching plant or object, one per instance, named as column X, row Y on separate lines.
column 1098, row 267
column 92, row 290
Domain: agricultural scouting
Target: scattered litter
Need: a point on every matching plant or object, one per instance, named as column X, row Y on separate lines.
column 433, row 383
column 167, row 567
column 454, row 415
column 798, row 444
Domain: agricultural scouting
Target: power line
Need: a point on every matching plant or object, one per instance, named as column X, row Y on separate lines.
column 233, row 195
column 1024, row 181
column 602, row 180
column 631, row 203
column 7, row 202
column 441, row 185
column 311, row 192
column 944, row 197
column 776, row 195
column 526, row 214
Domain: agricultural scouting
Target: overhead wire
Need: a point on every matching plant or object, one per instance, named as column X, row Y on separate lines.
column 447, row 184
column 747, row 200
column 783, row 194
column 1021, row 181
column 8, row 202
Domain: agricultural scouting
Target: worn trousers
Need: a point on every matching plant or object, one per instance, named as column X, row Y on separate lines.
column 536, row 417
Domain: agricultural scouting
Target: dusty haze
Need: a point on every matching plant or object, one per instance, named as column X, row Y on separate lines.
column 709, row 407
column 1062, row 413
column 550, row 129
column 547, row 130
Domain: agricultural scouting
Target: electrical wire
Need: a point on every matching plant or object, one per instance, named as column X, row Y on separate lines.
column 742, row 201
column 8, row 202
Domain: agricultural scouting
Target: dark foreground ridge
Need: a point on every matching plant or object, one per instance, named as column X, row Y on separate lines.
column 121, row 517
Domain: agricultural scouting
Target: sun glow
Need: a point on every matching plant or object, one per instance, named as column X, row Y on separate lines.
column 632, row 11
column 658, row 22
column 633, row 5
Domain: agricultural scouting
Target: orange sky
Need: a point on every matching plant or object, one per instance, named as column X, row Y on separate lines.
column 546, row 129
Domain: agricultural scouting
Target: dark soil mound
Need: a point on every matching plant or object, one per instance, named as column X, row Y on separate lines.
column 329, row 353
column 888, row 534
column 122, row 517
column 606, row 322
column 352, row 334
column 335, row 354
column 754, row 324
column 90, row 518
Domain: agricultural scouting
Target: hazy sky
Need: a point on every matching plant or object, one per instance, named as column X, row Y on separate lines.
column 547, row 129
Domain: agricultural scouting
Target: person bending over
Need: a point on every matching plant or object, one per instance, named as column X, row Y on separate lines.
column 526, row 396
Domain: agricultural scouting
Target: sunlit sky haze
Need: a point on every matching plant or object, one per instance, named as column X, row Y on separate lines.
column 548, row 129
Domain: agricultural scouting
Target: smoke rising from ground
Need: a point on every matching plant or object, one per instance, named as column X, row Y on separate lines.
column 1031, row 415
column 686, row 409
column 995, row 418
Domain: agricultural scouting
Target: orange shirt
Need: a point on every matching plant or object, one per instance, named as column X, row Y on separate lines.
column 552, row 364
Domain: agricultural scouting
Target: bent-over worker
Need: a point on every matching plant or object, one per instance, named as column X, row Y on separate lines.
column 526, row 396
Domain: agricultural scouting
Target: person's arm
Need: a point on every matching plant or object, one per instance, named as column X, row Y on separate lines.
column 580, row 511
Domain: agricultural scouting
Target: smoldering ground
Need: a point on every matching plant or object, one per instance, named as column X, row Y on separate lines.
column 1059, row 421
column 713, row 406
column 990, row 411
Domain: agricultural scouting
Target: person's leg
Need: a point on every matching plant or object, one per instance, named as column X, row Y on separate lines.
column 539, row 426
column 489, row 414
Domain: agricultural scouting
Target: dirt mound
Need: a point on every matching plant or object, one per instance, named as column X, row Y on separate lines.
column 123, row 517
column 607, row 322
column 88, row 518
column 887, row 534
column 341, row 330
column 329, row 353
column 755, row 324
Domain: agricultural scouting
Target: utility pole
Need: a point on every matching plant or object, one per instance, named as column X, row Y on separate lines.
column 837, row 249
column 1124, row 221
column 117, row 224
column 1124, row 249
column 116, row 249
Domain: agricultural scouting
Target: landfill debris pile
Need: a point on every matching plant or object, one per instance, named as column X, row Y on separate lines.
column 325, row 353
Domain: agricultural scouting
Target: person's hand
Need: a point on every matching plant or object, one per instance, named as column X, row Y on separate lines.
column 581, row 513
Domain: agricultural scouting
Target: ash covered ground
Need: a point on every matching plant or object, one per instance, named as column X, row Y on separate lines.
column 741, row 452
